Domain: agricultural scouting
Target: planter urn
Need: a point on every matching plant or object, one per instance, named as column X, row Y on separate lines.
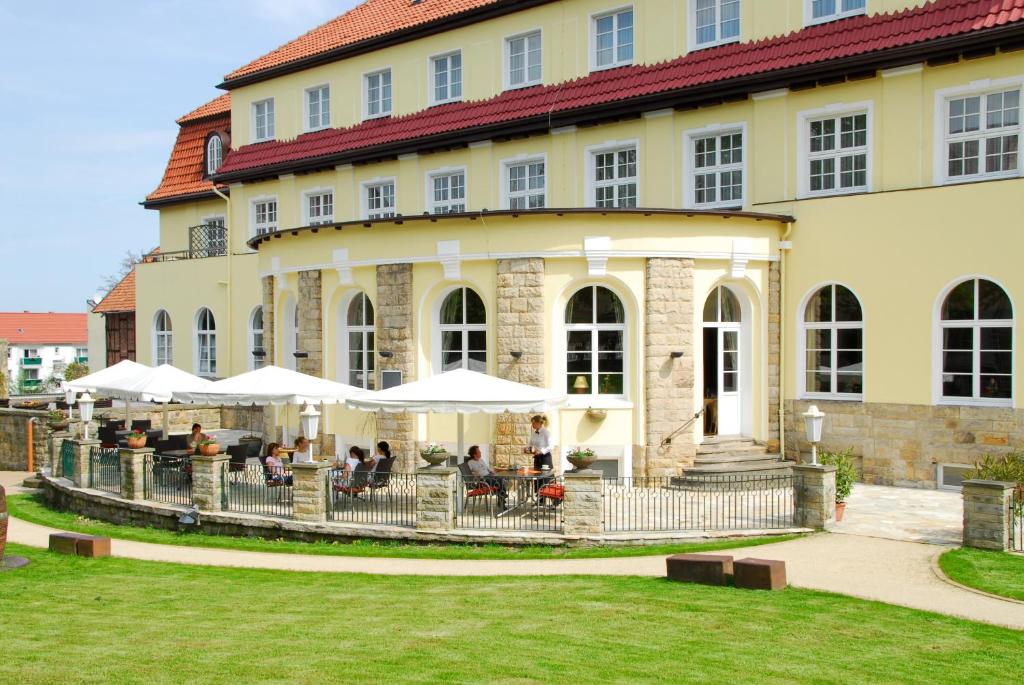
column 581, row 463
column 434, row 458
column 211, row 450
column 136, row 443
column 840, row 509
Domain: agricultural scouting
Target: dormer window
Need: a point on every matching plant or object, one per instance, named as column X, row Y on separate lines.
column 214, row 154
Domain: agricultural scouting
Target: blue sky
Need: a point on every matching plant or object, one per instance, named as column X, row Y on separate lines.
column 89, row 92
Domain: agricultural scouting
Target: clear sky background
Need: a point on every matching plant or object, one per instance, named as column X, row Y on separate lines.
column 89, row 92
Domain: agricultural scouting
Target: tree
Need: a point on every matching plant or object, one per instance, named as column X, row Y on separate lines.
column 128, row 262
column 74, row 371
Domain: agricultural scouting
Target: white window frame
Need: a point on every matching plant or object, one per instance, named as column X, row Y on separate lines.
column 254, row 361
column 431, row 205
column 592, row 52
column 691, row 21
column 690, row 170
column 937, row 345
column 202, row 338
column 801, row 339
column 981, row 88
column 506, row 166
column 271, row 128
column 306, row 108
column 437, row 330
column 366, row 94
column 431, row 74
column 211, row 167
column 593, row 399
column 590, row 154
column 365, row 187
column 507, row 70
column 254, row 224
column 810, row 20
column 803, row 144
column 369, row 351
column 312, row 192
column 940, row 476
column 166, row 337
column 220, row 220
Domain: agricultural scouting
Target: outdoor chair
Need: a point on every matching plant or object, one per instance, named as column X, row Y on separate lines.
column 107, row 436
column 381, row 478
column 238, row 455
column 356, row 484
column 549, row 498
column 279, row 483
column 475, row 489
column 142, row 424
column 114, row 424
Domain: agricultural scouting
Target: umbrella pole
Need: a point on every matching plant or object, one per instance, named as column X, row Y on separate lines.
column 164, row 422
column 462, row 437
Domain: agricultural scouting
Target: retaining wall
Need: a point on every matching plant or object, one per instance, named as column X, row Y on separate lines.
column 14, row 438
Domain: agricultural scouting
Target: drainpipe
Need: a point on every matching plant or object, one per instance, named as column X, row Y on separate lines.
column 31, row 455
column 784, row 247
column 227, row 223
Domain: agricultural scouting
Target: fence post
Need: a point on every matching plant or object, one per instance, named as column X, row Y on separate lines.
column 583, row 507
column 988, row 508
column 435, row 500
column 814, row 488
column 207, row 481
column 309, row 487
column 133, row 464
column 83, row 449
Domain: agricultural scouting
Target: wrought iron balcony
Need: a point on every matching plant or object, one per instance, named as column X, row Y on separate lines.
column 31, row 361
column 204, row 240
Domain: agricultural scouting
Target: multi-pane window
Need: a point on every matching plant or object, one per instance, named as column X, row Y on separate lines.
column 256, row 350
column 524, row 60
column 446, row 77
column 265, row 216
column 378, row 94
column 834, row 344
column 983, row 135
column 595, row 323
column 837, row 159
column 318, row 108
column 716, row 21
column 206, row 343
column 463, row 323
column 210, row 238
column 615, row 178
column 976, row 326
column 613, row 39
column 449, row 193
column 263, row 120
column 717, row 171
column 320, row 208
column 359, row 325
column 826, row 10
column 214, row 154
column 527, row 185
column 380, row 200
column 162, row 338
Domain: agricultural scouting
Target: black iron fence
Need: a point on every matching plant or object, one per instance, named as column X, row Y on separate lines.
column 1017, row 520
column 386, row 498
column 167, row 480
column 509, row 503
column 105, row 469
column 704, row 503
column 257, row 489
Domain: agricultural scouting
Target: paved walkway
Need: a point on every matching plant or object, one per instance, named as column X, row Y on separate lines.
column 910, row 514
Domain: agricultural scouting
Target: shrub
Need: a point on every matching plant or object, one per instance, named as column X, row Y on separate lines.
column 846, row 474
column 74, row 371
column 1009, row 467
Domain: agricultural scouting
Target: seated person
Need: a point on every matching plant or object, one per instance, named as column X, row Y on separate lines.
column 274, row 465
column 356, row 456
column 303, row 451
column 195, row 437
column 482, row 470
column 383, row 452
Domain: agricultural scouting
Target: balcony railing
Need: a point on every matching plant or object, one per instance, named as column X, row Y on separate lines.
column 31, row 361
column 204, row 240
column 81, row 360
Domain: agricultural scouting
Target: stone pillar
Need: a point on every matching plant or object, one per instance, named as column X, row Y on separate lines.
column 988, row 511
column 435, row 498
column 132, row 472
column 774, row 354
column 395, row 322
column 208, row 481
column 54, row 442
column 583, row 507
column 668, row 382
column 267, row 283
column 309, row 491
column 311, row 324
column 83, row 449
column 815, row 495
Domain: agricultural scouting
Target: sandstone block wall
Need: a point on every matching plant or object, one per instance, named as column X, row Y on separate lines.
column 774, row 353
column 395, row 320
column 14, row 438
column 311, row 327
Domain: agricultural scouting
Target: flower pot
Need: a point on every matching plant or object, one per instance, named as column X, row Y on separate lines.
column 581, row 463
column 209, row 450
column 434, row 458
column 58, row 425
column 840, row 508
column 136, row 443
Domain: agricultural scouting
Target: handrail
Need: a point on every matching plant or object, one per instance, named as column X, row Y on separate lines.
column 667, row 440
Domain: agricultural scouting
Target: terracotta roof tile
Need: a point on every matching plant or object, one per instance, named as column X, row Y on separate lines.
column 121, row 297
column 21, row 328
column 851, row 37
column 218, row 105
column 185, row 174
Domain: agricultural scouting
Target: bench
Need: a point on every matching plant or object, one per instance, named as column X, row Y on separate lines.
column 81, row 545
column 706, row 569
column 760, row 574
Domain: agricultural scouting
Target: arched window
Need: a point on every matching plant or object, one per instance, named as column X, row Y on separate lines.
column 206, row 343
column 359, row 322
column 214, row 154
column 976, row 323
column 595, row 323
column 833, row 339
column 257, row 354
column 463, row 323
column 162, row 338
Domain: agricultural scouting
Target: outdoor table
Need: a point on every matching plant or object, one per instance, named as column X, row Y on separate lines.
column 526, row 483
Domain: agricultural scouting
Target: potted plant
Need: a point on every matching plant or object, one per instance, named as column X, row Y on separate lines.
column 846, row 474
column 434, row 454
column 208, row 446
column 581, row 458
column 136, row 439
column 56, row 420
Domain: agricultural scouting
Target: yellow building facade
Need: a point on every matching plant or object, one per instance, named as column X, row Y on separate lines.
column 744, row 226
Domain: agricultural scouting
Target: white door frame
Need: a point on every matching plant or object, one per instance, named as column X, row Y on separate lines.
column 745, row 386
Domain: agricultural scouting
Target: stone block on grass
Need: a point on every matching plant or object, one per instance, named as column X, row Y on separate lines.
column 706, row 569
column 65, row 543
column 81, row 545
column 759, row 574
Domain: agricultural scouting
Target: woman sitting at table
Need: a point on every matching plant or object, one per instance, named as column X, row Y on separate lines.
column 383, row 452
column 195, row 437
column 303, row 451
column 482, row 470
column 343, row 470
column 274, row 466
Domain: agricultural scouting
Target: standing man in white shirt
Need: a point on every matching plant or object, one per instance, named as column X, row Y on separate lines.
column 540, row 443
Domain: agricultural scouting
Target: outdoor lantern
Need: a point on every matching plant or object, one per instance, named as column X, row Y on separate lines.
column 85, row 405
column 69, row 398
column 580, row 385
column 310, row 422
column 813, row 418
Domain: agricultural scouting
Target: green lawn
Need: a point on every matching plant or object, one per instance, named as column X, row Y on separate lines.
column 34, row 510
column 996, row 572
column 73, row 620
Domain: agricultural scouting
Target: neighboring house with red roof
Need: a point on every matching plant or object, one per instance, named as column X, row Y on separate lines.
column 41, row 345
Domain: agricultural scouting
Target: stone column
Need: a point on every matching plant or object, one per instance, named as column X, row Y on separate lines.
column 309, row 491
column 774, row 353
column 668, row 382
column 395, row 323
column 311, row 325
column 519, row 328
column 435, row 498
column 815, row 495
column 268, row 347
column 132, row 472
column 208, row 481
column 54, row 443
column 583, row 507
column 83, row 449
column 988, row 511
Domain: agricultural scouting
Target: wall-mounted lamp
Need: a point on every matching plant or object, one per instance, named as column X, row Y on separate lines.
column 516, row 354
column 676, row 355
column 387, row 354
column 300, row 355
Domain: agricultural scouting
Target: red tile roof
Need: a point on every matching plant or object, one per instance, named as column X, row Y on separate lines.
column 22, row 328
column 371, row 19
column 185, row 175
column 121, row 297
column 848, row 38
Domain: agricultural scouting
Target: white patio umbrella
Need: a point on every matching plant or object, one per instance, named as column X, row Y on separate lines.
column 122, row 372
column 154, row 385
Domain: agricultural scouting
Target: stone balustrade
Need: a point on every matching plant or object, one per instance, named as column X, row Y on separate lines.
column 988, row 512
